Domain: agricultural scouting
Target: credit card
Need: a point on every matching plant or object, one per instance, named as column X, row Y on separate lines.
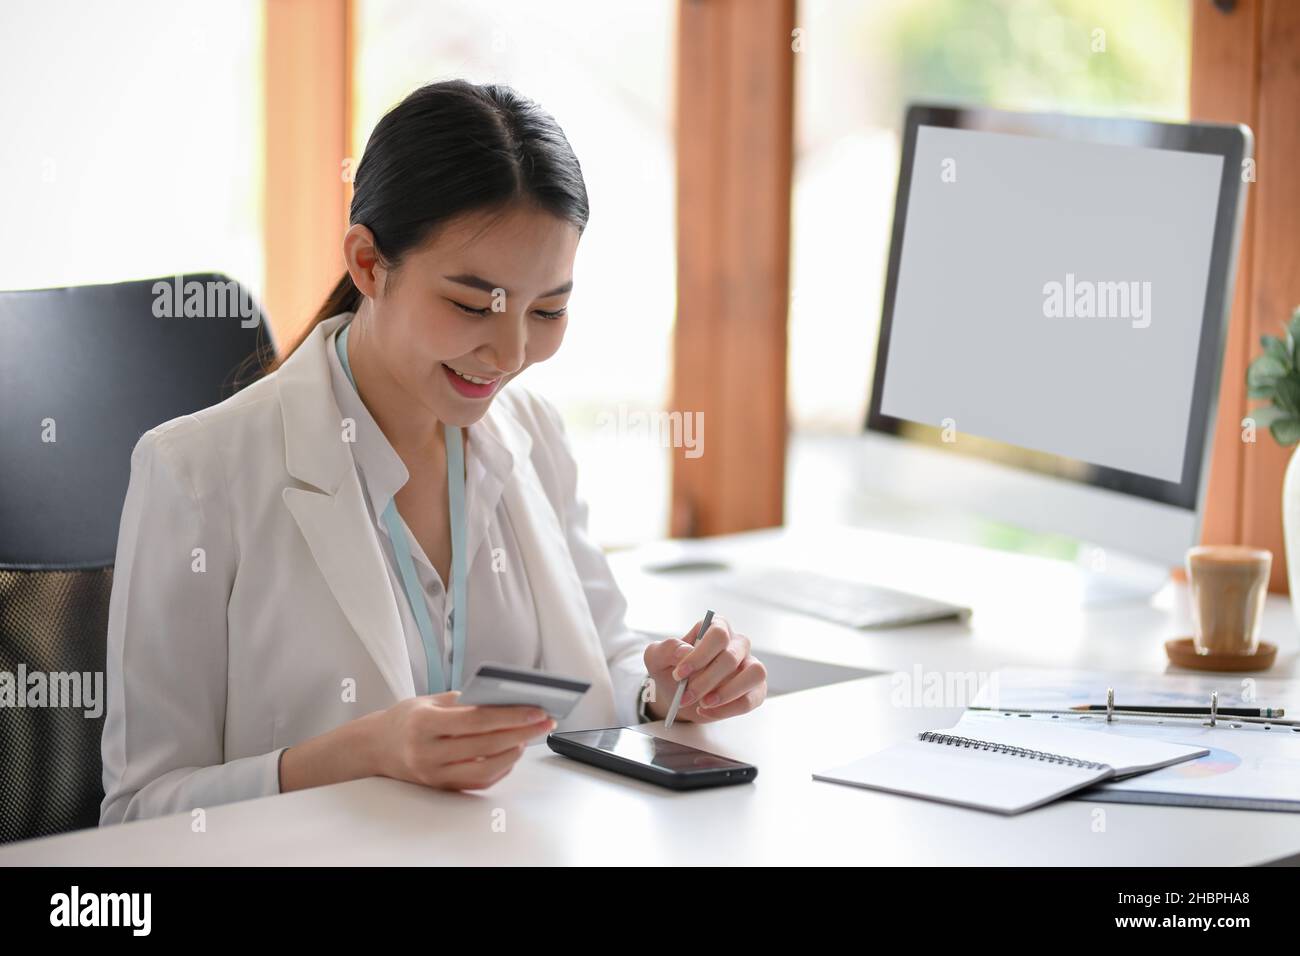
column 499, row 685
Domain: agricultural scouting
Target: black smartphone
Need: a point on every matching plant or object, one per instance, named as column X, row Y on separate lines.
column 663, row 762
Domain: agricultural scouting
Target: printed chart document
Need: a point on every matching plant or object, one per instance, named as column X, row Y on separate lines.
column 1248, row 766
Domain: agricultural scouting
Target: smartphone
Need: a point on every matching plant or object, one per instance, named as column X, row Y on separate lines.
column 498, row 685
column 663, row 762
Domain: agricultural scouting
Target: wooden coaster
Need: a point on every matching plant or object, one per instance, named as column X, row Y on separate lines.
column 1182, row 652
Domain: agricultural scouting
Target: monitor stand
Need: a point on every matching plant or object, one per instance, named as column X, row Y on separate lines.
column 1110, row 578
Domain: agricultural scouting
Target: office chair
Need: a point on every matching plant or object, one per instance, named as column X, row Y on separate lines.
column 84, row 372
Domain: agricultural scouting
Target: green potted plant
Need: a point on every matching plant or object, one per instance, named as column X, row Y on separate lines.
column 1275, row 375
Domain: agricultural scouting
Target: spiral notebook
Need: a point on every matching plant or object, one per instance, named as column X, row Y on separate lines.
column 1006, row 765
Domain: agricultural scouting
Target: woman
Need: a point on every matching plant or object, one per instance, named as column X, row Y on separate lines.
column 280, row 616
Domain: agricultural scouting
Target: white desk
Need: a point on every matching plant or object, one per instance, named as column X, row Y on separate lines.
column 556, row 811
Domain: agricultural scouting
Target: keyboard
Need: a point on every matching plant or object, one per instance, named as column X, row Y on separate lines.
column 851, row 603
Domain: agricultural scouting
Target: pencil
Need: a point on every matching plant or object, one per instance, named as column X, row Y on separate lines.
column 1222, row 711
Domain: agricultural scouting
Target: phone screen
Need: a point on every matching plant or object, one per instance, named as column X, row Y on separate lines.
column 652, row 751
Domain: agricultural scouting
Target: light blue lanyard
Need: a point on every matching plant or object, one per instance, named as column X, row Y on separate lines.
column 402, row 549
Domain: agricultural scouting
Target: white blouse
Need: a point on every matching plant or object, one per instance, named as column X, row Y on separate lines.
column 502, row 625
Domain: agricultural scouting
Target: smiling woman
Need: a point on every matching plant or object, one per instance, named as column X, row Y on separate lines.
column 430, row 319
column 380, row 515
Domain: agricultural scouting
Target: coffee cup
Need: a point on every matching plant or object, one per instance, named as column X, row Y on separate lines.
column 1228, row 585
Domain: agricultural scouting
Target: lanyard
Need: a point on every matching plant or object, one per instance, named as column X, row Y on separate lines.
column 402, row 549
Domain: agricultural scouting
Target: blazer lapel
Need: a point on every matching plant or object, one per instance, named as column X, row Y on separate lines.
column 332, row 514
column 571, row 646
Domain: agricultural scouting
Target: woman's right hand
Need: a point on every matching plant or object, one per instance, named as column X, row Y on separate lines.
column 436, row 742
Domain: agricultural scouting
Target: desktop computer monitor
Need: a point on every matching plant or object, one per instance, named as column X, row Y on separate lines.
column 1054, row 319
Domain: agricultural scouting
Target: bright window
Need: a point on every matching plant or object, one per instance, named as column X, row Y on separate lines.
column 858, row 67
column 132, row 142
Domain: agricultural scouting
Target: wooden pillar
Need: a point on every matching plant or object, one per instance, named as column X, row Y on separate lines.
column 308, row 58
column 1246, row 69
column 735, row 109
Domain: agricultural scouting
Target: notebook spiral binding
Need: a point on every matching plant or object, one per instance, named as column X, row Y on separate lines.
column 952, row 740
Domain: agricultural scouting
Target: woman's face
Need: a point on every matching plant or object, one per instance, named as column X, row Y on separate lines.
column 487, row 296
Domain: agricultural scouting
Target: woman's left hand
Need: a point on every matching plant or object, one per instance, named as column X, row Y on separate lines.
column 722, row 678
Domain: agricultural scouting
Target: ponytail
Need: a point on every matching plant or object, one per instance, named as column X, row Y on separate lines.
column 345, row 297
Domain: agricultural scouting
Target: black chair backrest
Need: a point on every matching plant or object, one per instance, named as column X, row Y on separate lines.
column 84, row 372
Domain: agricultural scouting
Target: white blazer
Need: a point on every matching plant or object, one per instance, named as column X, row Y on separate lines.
column 251, row 608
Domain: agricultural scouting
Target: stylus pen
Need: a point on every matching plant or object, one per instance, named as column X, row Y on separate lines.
column 681, row 684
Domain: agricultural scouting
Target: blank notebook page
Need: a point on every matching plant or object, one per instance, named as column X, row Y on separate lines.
column 983, row 779
column 1097, row 742
column 986, row 778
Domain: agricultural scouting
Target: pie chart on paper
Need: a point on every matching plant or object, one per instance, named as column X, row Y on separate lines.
column 1211, row 765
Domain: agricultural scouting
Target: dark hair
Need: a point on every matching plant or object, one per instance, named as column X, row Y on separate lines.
column 451, row 148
